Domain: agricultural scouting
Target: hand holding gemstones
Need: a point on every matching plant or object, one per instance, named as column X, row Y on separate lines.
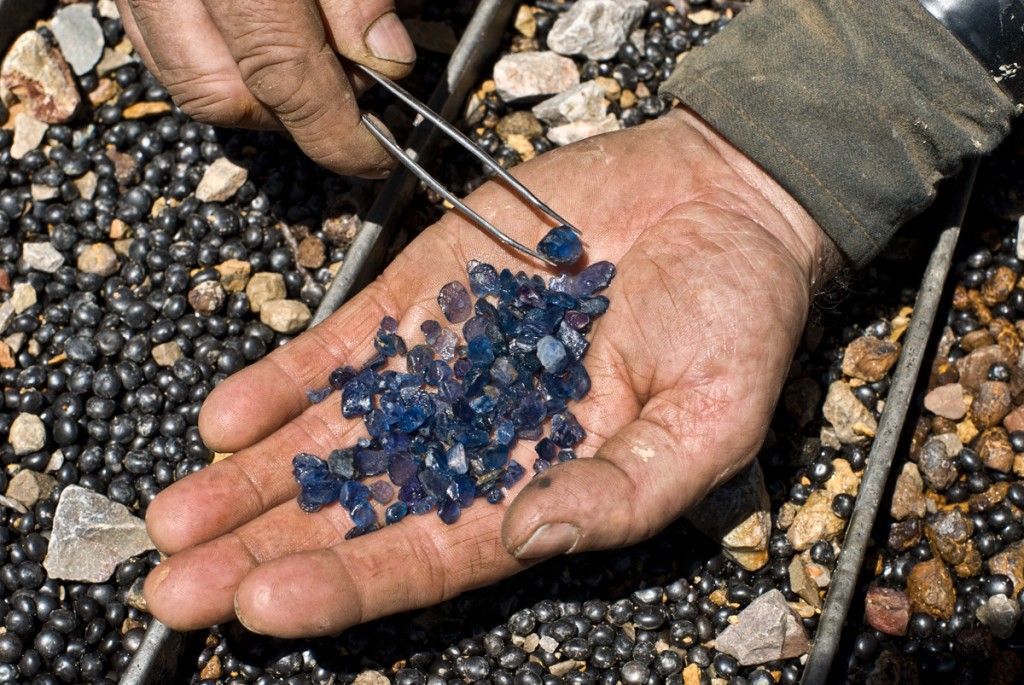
column 275, row 65
column 716, row 267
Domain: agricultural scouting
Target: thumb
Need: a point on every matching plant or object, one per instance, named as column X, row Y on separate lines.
column 638, row 482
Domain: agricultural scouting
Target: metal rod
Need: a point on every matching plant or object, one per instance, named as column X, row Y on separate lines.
column 463, row 140
column 398, row 153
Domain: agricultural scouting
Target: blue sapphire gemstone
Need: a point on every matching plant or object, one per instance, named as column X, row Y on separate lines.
column 541, row 465
column 475, row 327
column 561, row 246
column 449, row 511
column 566, row 455
column 423, row 506
column 476, row 438
column 495, row 495
column 395, row 512
column 430, row 329
column 546, row 449
column 504, row 431
column 363, row 514
column 456, row 458
column 356, row 399
column 504, row 372
column 341, row 463
column 551, row 353
column 476, row 378
column 507, row 286
column 449, row 391
column 318, row 396
column 389, row 325
column 319, row 494
column 483, row 279
column 566, row 430
column 454, row 301
column 395, row 442
column 575, row 344
column 386, row 343
column 595, row 306
column 434, row 483
column 513, row 474
column 577, row 320
column 411, row 419
column 352, row 493
column 358, row 531
column 308, row 468
column 377, row 361
column 375, row 422
column 371, row 462
column 464, row 489
column 340, row 376
column 437, row 371
column 402, row 470
column 485, row 310
column 480, row 351
column 578, row 382
column 495, row 456
column 418, row 358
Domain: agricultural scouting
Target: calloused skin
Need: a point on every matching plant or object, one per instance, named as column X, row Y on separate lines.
column 276, row 65
column 716, row 267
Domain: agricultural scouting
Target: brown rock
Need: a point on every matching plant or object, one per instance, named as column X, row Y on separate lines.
column 994, row 496
column 520, row 122
column 737, row 515
column 887, row 610
column 949, row 533
column 943, row 426
column 802, row 583
column 852, row 421
column 207, row 297
column 311, row 253
column 894, row 669
column 263, row 287
column 1010, row 562
column 999, row 286
column 98, row 258
column 970, row 566
column 221, row 180
column 125, row 165
column 974, row 367
column 947, row 401
column 930, row 589
column 992, row 404
column 977, row 339
column 1014, row 421
column 908, row 500
column 165, row 354
column 531, row 75
column 29, row 487
column 905, row 534
column 935, row 465
column 141, row 110
column 994, row 448
column 212, row 669
column 966, row 431
column 869, row 358
column 815, row 521
column 6, row 356
column 767, row 630
column 692, row 675
column 843, row 479
column 1006, row 337
column 28, row 134
column 234, row 275
column 285, row 316
column 36, row 72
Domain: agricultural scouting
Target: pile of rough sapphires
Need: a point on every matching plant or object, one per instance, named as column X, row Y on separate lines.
column 442, row 430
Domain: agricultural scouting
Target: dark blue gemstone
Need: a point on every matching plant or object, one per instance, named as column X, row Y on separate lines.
column 532, row 433
column 418, row 358
column 411, row 492
column 371, row 462
column 319, row 494
column 566, row 455
column 416, row 397
column 356, row 399
column 378, row 361
column 530, row 412
column 363, row 514
column 594, row 307
column 476, row 327
column 395, row 512
column 593, row 279
column 340, row 376
column 411, row 419
column 566, row 430
column 389, row 325
column 495, row 495
column 541, row 465
column 546, row 449
column 456, row 458
column 483, row 404
column 423, row 506
column 575, row 344
column 449, row 391
column 561, row 300
column 504, row 371
column 578, row 382
column 476, row 378
column 402, row 470
column 375, row 422
column 465, row 489
column 381, row 491
column 480, row 351
column 507, row 286
column 430, row 329
column 353, row 493
column 308, row 468
column 504, row 431
column 483, row 279
column 476, row 438
column 449, row 511
column 460, row 368
column 395, row 442
column 437, row 371
column 358, row 531
column 485, row 310
column 561, row 246
column 494, row 456
column 434, row 483
column 386, row 343
column 551, row 353
column 513, row 474
column 341, row 463
column 318, row 396
column 454, row 301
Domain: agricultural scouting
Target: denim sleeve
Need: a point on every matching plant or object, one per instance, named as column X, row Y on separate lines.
column 857, row 107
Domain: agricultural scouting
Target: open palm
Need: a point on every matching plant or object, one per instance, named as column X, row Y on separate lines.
column 716, row 265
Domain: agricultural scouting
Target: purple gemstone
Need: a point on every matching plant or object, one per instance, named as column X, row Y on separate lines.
column 483, row 279
column 402, row 470
column 455, row 303
column 577, row 320
column 445, row 344
column 566, row 430
column 418, row 358
column 388, row 325
column 474, row 328
column 430, row 329
column 371, row 462
column 594, row 278
column 382, row 491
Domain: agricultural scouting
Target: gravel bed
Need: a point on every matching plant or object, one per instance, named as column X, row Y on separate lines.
column 144, row 257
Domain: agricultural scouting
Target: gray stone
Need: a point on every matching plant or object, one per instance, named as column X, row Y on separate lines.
column 166, row 354
column 852, row 421
column 947, row 401
column 595, row 28
column 11, row 503
column 936, row 466
column 91, row 536
column 16, row 16
column 580, row 130
column 532, row 75
column 285, row 316
column 112, row 61
column 768, row 629
column 79, row 36
column 28, row 134
column 40, row 78
column 908, row 500
column 584, row 102
column 7, row 315
column 41, row 257
column 802, row 584
column 1000, row 614
column 737, row 515
column 22, row 297
column 27, row 434
column 29, row 487
column 222, row 179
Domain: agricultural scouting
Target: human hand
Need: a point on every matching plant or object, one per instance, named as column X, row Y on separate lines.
column 274, row 65
column 716, row 266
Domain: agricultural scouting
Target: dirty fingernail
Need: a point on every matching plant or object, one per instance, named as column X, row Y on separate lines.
column 549, row 540
column 387, row 39
column 241, row 619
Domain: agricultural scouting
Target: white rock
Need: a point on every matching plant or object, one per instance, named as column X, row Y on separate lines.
column 41, row 257
column 584, row 102
column 79, row 36
column 27, row 434
column 531, row 75
column 579, row 130
column 22, row 297
column 768, row 629
column 28, row 134
column 285, row 316
column 222, row 179
column 595, row 28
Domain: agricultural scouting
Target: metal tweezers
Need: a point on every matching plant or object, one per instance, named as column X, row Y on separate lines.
column 463, row 140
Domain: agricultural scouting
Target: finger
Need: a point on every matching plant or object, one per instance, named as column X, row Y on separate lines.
column 370, row 33
column 285, row 61
column 193, row 61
